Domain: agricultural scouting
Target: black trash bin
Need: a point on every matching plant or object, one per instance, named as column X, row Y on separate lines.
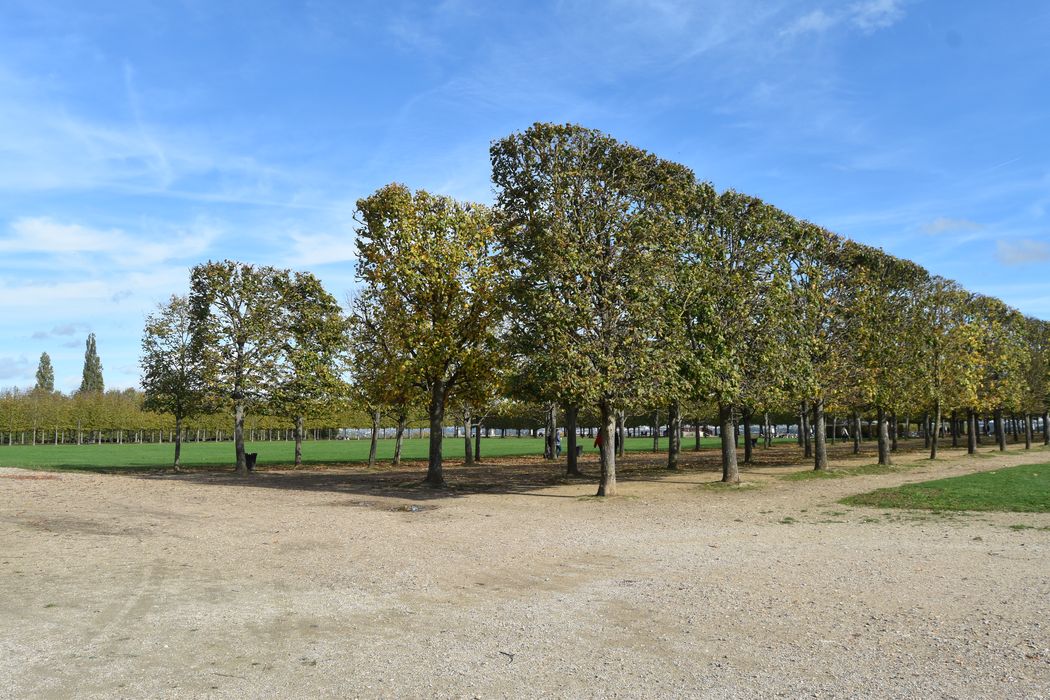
column 249, row 459
column 579, row 450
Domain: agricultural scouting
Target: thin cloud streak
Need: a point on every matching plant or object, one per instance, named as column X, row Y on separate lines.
column 66, row 241
column 1022, row 252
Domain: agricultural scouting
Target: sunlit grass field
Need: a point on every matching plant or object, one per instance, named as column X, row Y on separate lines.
column 1023, row 489
column 216, row 454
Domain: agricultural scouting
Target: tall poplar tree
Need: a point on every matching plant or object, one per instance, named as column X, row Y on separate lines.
column 92, row 376
column 45, row 375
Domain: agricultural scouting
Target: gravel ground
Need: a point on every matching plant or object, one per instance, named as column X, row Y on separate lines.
column 323, row 584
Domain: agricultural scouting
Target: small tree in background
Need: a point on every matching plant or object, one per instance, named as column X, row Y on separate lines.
column 314, row 351
column 172, row 374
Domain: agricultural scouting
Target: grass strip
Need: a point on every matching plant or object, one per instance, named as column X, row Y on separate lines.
column 1022, row 489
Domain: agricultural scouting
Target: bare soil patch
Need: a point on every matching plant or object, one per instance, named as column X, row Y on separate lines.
column 516, row 582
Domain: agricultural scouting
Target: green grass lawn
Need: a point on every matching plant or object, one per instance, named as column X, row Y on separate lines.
column 1024, row 489
column 204, row 454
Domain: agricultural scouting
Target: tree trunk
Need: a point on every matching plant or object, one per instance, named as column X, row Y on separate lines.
column 894, row 431
column 656, row 431
column 178, row 444
column 926, row 431
column 1046, row 427
column 298, row 441
column 1028, row 431
column 1015, row 428
column 768, row 430
column 936, row 428
column 468, row 437
column 747, row 437
column 607, row 432
column 674, row 440
column 856, row 432
column 477, row 442
column 971, row 432
column 549, row 437
column 955, row 428
column 696, row 436
column 807, row 441
column 437, row 426
column 820, row 451
column 399, row 438
column 238, row 437
column 730, row 471
column 1000, row 430
column 884, row 438
column 572, row 411
column 373, row 446
column 801, row 427
column 620, row 439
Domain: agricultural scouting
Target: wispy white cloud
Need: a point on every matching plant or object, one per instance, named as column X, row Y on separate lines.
column 1022, row 251
column 15, row 368
column 59, row 295
column 48, row 145
column 61, row 330
column 868, row 16
column 70, row 241
column 945, row 225
column 160, row 165
column 814, row 22
column 873, row 15
column 321, row 249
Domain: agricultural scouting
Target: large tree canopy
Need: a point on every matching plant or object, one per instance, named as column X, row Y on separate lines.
column 590, row 228
column 238, row 328
column 432, row 295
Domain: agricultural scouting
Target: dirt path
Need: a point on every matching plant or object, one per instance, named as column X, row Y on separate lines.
column 345, row 583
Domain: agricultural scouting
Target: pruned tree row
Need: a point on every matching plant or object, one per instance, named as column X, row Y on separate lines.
column 604, row 283
column 614, row 280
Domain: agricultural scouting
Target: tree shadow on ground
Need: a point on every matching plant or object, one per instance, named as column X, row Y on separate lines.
column 526, row 476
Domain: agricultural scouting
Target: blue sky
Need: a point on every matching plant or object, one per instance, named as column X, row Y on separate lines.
column 140, row 138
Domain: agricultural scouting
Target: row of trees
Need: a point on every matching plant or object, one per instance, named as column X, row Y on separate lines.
column 34, row 417
column 92, row 381
column 605, row 281
column 245, row 335
column 607, row 277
